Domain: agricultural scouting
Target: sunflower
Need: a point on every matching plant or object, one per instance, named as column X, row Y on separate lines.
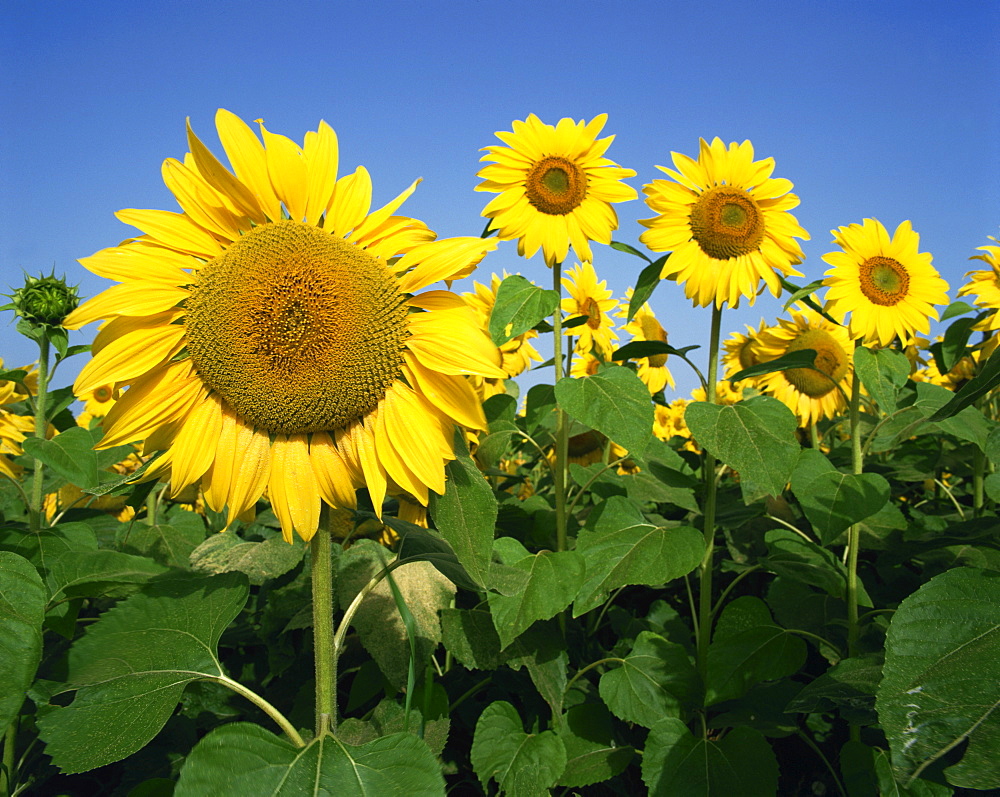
column 887, row 286
column 13, row 429
column 739, row 353
column 96, row 404
column 555, row 186
column 271, row 336
column 985, row 286
column 812, row 394
column 652, row 370
column 726, row 222
column 594, row 301
column 12, row 392
column 585, row 364
column 517, row 353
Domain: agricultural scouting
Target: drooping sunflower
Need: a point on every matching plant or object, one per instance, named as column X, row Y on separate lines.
column 812, row 394
column 273, row 334
column 555, row 186
column 726, row 222
column 644, row 326
column 887, row 286
column 984, row 284
column 592, row 299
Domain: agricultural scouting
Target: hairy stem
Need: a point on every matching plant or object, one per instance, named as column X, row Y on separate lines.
column 324, row 652
column 562, row 428
column 41, row 426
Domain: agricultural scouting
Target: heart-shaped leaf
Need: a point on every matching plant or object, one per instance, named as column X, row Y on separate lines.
column 883, row 372
column 833, row 501
column 22, row 610
column 518, row 307
column 614, row 401
column 246, row 759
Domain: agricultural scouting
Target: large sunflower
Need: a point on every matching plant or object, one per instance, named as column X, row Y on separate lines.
column 985, row 286
column 811, row 393
column 726, row 222
column 556, row 187
column 271, row 335
column 887, row 286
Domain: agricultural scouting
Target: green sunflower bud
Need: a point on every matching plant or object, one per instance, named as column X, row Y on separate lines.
column 44, row 300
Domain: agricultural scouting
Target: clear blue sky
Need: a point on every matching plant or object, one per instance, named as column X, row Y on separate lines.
column 882, row 109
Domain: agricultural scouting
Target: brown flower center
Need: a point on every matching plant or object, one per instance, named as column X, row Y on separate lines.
column 726, row 222
column 297, row 330
column 884, row 280
column 831, row 363
column 555, row 186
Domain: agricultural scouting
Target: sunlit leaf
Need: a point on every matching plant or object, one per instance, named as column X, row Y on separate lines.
column 883, row 372
column 614, row 401
column 522, row 764
column 519, row 306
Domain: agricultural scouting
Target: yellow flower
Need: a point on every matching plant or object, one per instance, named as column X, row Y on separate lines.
column 13, row 430
column 97, row 403
column 555, row 186
column 887, row 286
column 811, row 394
column 726, row 222
column 12, row 392
column 593, row 300
column 739, row 351
column 585, row 364
column 652, row 370
column 272, row 334
column 985, row 286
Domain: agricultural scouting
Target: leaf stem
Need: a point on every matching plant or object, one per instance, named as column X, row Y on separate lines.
column 588, row 668
column 41, row 426
column 705, row 608
column 263, row 705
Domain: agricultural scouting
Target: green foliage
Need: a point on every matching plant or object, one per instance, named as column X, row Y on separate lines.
column 883, row 372
column 519, row 306
column 246, row 759
column 522, row 764
column 71, row 455
column 614, row 401
column 22, row 610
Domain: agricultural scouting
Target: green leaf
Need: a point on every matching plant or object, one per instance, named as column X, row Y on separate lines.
column 470, row 636
column 623, row 549
column 614, row 401
column 71, row 455
column 654, row 681
column 792, row 556
column 981, row 384
column 833, row 501
column 591, row 754
column 941, row 679
column 848, row 686
column 806, row 291
column 553, row 581
column 539, row 410
column 883, row 372
column 623, row 247
column 522, row 764
column 649, row 278
column 755, row 437
column 803, row 358
column 22, row 611
column 956, row 309
column 519, row 306
column 246, row 759
column 260, row 561
column 748, row 648
column 419, row 544
column 169, row 545
column 676, row 763
column 466, row 514
column 542, row 651
column 638, row 349
column 132, row 665
column 955, row 344
column 966, row 423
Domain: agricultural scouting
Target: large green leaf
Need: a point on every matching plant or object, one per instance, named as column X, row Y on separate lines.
column 246, row 759
column 676, row 763
column 132, row 665
column 623, row 550
column 749, row 647
column 169, row 544
column 833, row 501
column 519, row 306
column 466, row 514
column 542, row 651
column 883, row 372
column 793, row 556
column 71, row 454
column 553, row 581
column 22, row 611
column 755, row 437
column 965, row 424
column 653, row 681
column 614, row 401
column 941, row 679
column 591, row 754
column 522, row 764
column 260, row 561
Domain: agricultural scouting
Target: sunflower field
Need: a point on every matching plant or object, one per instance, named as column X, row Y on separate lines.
column 296, row 528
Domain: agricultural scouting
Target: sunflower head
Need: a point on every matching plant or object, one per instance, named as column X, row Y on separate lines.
column 984, row 284
column 276, row 334
column 644, row 326
column 592, row 299
column 726, row 222
column 888, row 288
column 555, row 187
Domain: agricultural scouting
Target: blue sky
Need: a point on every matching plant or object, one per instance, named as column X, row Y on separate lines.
column 871, row 109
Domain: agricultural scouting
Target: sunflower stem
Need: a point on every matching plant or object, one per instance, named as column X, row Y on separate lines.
column 705, row 571
column 324, row 646
column 854, row 532
column 37, row 497
column 562, row 435
column 7, row 772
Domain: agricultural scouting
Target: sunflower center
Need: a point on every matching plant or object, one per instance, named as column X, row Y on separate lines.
column 555, row 186
column 592, row 310
column 297, row 330
column 884, row 280
column 831, row 360
column 103, row 393
column 726, row 222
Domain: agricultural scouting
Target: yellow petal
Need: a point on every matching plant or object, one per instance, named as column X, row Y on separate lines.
column 350, row 202
column 237, row 196
column 246, row 154
column 191, row 451
column 141, row 261
column 130, row 356
column 292, row 488
column 377, row 217
column 452, row 395
column 332, row 473
column 200, row 201
column 446, row 259
column 321, row 154
column 286, row 167
column 132, row 299
column 363, row 441
column 175, row 230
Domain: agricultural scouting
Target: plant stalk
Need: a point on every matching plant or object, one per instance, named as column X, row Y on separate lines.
column 7, row 774
column 854, row 533
column 41, row 426
column 324, row 653
column 705, row 571
column 562, row 428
